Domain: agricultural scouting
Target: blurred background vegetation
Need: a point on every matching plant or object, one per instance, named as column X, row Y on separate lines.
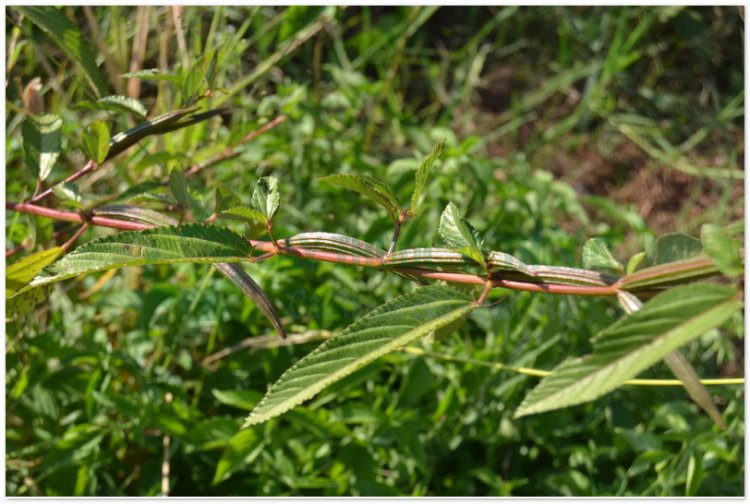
column 561, row 124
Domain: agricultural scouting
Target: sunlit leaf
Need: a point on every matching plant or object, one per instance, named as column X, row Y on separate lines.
column 245, row 213
column 391, row 326
column 633, row 344
column 96, row 141
column 266, row 197
column 189, row 243
column 373, row 188
column 420, row 178
column 153, row 74
column 41, row 143
column 68, row 193
column 24, row 270
column 116, row 104
column 459, row 235
column 596, row 255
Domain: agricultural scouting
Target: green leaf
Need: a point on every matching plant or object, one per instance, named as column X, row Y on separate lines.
column 676, row 247
column 243, row 399
column 722, row 249
column 164, row 123
column 596, row 255
column 391, row 326
column 68, row 194
column 24, row 270
column 67, row 36
column 420, row 177
column 225, row 199
column 96, row 141
column 243, row 212
column 41, row 143
column 241, row 450
column 189, row 243
column 178, row 187
column 632, row 344
column 26, row 300
column 153, row 74
column 663, row 275
column 266, row 197
column 459, row 235
column 241, row 279
column 116, row 104
column 634, row 262
column 135, row 213
column 371, row 187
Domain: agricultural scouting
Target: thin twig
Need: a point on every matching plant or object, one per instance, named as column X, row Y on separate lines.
column 88, row 167
column 75, row 237
column 233, row 151
column 266, row 341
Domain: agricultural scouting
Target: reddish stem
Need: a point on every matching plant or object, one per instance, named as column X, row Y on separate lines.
column 319, row 255
column 90, row 166
column 73, row 238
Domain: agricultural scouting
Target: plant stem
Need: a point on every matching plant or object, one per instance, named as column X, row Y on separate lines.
column 89, row 167
column 335, row 257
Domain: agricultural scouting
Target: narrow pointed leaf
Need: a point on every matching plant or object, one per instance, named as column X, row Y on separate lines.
column 153, row 74
column 69, row 38
column 634, row 262
column 459, row 235
column 115, row 103
column 596, row 255
column 373, row 188
column 225, row 199
column 242, row 212
column 189, row 243
column 663, row 275
column 241, row 279
column 165, row 123
column 391, row 326
column 24, row 270
column 178, row 187
column 420, row 178
column 41, row 143
column 632, row 344
column 722, row 249
column 96, row 141
column 135, row 213
column 266, row 197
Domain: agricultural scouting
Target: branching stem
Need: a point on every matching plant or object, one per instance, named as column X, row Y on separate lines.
column 336, row 257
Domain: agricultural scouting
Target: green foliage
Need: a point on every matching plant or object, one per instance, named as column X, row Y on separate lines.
column 41, row 143
column 191, row 243
column 722, row 249
column 594, row 130
column 266, row 197
column 420, row 177
column 116, row 104
column 633, row 344
column 459, row 235
column 96, row 141
column 373, row 188
column 69, row 38
column 596, row 255
column 391, row 326
column 68, row 194
column 22, row 271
